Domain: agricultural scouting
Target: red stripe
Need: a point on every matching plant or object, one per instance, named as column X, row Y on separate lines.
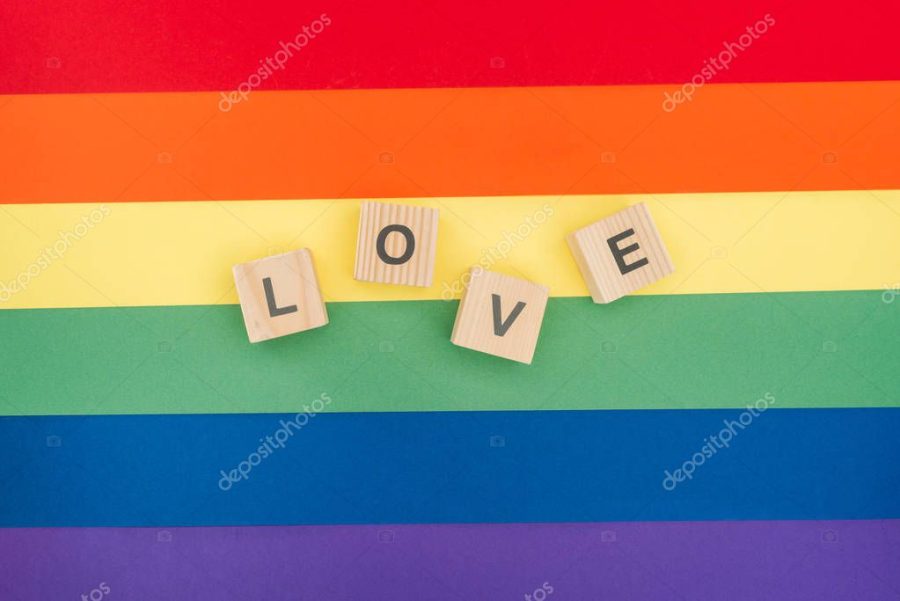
column 113, row 46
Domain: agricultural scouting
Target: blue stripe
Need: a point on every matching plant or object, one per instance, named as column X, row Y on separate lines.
column 554, row 466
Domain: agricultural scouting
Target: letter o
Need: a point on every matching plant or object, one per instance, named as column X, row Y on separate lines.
column 749, row 418
column 382, row 239
column 749, row 40
column 319, row 408
column 320, row 24
column 99, row 595
column 305, row 40
column 251, row 456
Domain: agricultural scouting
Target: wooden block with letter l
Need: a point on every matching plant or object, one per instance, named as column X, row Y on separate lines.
column 280, row 295
column 396, row 244
column 500, row 315
column 620, row 254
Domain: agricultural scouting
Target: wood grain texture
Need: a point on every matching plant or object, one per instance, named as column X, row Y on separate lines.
column 418, row 267
column 296, row 301
column 596, row 247
column 477, row 322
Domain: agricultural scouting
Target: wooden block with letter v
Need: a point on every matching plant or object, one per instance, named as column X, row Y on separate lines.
column 396, row 244
column 280, row 295
column 620, row 254
column 500, row 315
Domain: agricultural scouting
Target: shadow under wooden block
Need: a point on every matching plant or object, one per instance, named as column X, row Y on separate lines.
column 396, row 244
column 500, row 315
column 620, row 254
column 280, row 295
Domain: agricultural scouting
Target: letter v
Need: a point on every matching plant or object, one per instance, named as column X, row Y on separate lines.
column 501, row 326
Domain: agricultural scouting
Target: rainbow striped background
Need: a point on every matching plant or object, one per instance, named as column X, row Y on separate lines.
column 128, row 388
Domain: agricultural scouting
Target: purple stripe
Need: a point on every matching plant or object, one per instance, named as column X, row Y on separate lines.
column 641, row 560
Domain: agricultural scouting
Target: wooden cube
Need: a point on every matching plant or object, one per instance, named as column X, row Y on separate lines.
column 620, row 254
column 500, row 315
column 280, row 295
column 396, row 244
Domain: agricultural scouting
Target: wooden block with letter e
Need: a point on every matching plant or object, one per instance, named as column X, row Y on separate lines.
column 620, row 254
column 500, row 315
column 280, row 295
column 396, row 244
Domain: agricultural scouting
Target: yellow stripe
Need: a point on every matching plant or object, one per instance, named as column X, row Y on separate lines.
column 181, row 253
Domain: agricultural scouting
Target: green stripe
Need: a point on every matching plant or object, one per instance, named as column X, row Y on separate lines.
column 811, row 349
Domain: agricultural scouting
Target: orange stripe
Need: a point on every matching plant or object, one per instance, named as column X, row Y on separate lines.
column 449, row 142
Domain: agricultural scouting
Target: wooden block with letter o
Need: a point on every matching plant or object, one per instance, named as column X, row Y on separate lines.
column 280, row 295
column 500, row 315
column 396, row 244
column 620, row 254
